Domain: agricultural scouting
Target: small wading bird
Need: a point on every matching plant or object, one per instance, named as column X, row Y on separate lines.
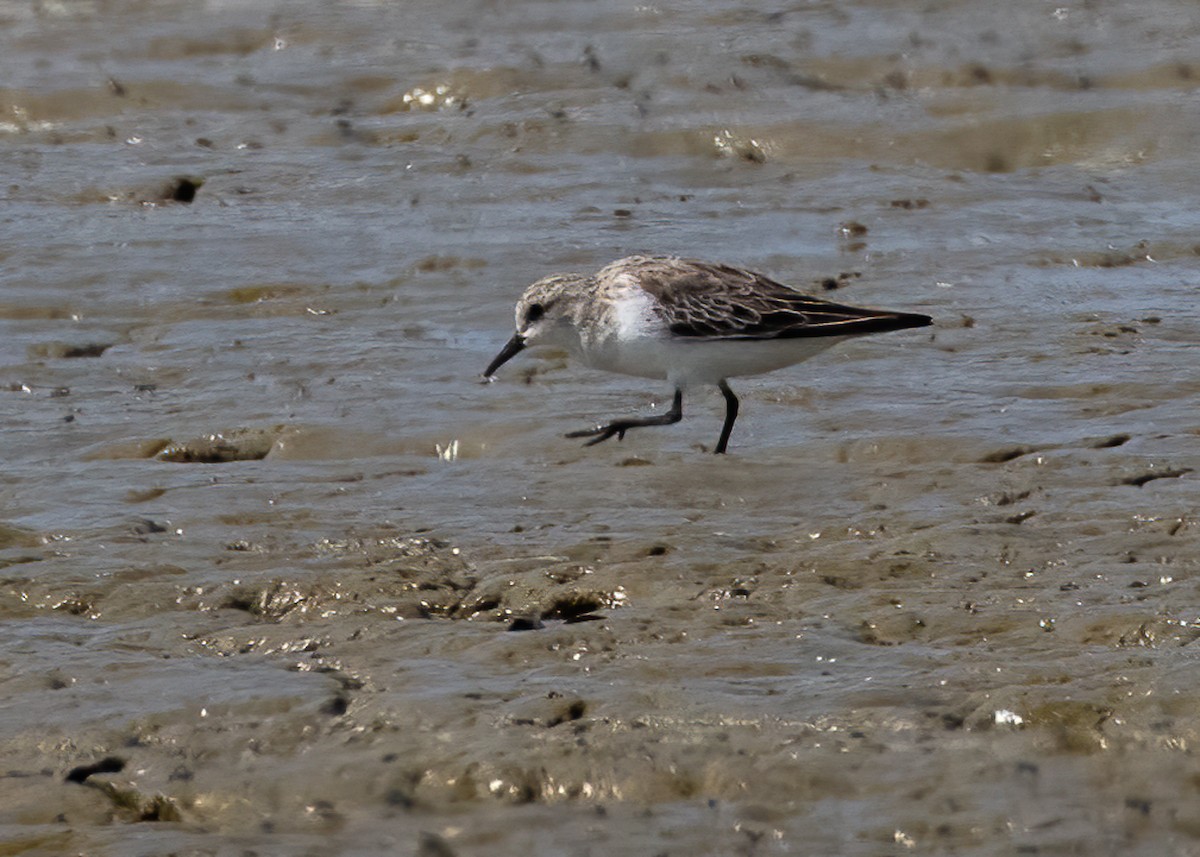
column 685, row 321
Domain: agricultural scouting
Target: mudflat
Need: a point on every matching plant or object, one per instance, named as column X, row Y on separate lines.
column 278, row 575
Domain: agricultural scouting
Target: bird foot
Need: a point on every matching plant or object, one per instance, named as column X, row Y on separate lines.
column 603, row 432
column 599, row 434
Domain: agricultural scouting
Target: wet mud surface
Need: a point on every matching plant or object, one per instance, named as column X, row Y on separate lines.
column 278, row 575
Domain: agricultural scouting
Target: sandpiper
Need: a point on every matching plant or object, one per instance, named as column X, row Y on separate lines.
column 686, row 321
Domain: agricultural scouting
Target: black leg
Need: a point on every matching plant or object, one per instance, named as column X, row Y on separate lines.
column 731, row 409
column 619, row 427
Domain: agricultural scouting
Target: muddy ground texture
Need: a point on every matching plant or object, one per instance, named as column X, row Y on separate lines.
column 942, row 676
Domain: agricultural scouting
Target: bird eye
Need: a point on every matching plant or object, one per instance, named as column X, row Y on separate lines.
column 536, row 311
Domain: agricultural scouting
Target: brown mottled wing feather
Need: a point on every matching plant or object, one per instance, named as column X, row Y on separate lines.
column 712, row 301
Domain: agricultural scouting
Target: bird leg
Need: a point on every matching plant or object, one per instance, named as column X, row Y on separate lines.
column 619, row 427
column 731, row 412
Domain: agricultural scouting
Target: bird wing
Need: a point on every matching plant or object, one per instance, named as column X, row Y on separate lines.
column 707, row 300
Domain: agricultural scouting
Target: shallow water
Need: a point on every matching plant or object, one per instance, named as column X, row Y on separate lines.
column 266, row 541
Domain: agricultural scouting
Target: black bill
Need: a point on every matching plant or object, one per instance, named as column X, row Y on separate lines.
column 509, row 351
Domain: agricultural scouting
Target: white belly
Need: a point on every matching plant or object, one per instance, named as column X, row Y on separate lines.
column 689, row 362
